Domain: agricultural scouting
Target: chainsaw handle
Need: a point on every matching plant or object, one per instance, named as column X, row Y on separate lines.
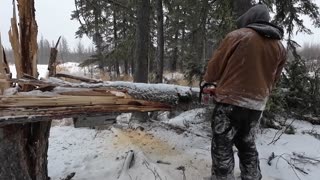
column 206, row 84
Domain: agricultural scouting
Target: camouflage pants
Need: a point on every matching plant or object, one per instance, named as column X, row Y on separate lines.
column 234, row 125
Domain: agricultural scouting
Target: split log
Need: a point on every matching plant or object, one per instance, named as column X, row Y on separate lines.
column 27, row 107
column 14, row 40
column 69, row 101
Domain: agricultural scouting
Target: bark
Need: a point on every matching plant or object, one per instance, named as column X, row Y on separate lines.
column 23, row 148
column 160, row 40
column 142, row 41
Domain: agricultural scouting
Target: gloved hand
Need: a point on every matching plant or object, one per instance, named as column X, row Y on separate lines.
column 210, row 91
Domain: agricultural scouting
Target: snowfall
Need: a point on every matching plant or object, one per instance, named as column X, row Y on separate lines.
column 155, row 150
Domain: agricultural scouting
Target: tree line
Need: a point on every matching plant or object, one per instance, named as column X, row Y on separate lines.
column 180, row 34
column 65, row 53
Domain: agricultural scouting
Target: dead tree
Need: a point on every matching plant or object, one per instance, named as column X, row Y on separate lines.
column 23, row 148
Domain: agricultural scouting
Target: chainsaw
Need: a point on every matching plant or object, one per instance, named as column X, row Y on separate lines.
column 207, row 91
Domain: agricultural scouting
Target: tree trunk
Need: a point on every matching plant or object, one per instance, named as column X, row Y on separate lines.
column 23, row 148
column 160, row 40
column 142, row 41
column 115, row 35
column 202, row 33
column 126, row 66
column 142, row 49
column 174, row 60
column 97, row 39
column 183, row 46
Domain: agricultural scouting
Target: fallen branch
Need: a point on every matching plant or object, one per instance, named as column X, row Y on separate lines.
column 70, row 176
column 82, row 79
column 127, row 164
column 163, row 162
column 271, row 157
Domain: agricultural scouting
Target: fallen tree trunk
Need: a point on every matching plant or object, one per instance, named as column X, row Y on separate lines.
column 181, row 97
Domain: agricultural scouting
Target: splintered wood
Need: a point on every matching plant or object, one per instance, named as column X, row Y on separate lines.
column 3, row 75
column 23, row 108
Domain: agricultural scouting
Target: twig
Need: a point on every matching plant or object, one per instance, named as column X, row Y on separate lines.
column 154, row 171
column 304, row 159
column 275, row 138
column 183, row 169
column 293, row 166
column 271, row 157
column 163, row 162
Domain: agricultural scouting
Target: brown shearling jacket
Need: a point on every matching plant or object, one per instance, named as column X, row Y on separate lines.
column 246, row 67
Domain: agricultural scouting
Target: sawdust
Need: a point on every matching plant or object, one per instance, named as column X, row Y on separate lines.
column 148, row 143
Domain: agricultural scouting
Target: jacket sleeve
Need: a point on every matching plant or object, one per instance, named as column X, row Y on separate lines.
column 219, row 60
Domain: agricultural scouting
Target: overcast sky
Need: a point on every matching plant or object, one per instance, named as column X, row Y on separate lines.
column 53, row 18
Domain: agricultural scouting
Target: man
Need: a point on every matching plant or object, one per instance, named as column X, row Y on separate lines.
column 245, row 67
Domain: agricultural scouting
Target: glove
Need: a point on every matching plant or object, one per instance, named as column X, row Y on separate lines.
column 211, row 91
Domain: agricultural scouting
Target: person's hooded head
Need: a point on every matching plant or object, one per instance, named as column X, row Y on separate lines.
column 258, row 19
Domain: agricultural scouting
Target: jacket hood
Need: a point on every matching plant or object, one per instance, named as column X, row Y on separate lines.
column 257, row 18
column 267, row 30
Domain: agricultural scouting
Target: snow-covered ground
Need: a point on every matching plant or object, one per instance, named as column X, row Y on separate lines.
column 42, row 69
column 100, row 154
column 69, row 68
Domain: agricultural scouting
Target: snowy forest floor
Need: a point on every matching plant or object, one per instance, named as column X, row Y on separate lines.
column 163, row 153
